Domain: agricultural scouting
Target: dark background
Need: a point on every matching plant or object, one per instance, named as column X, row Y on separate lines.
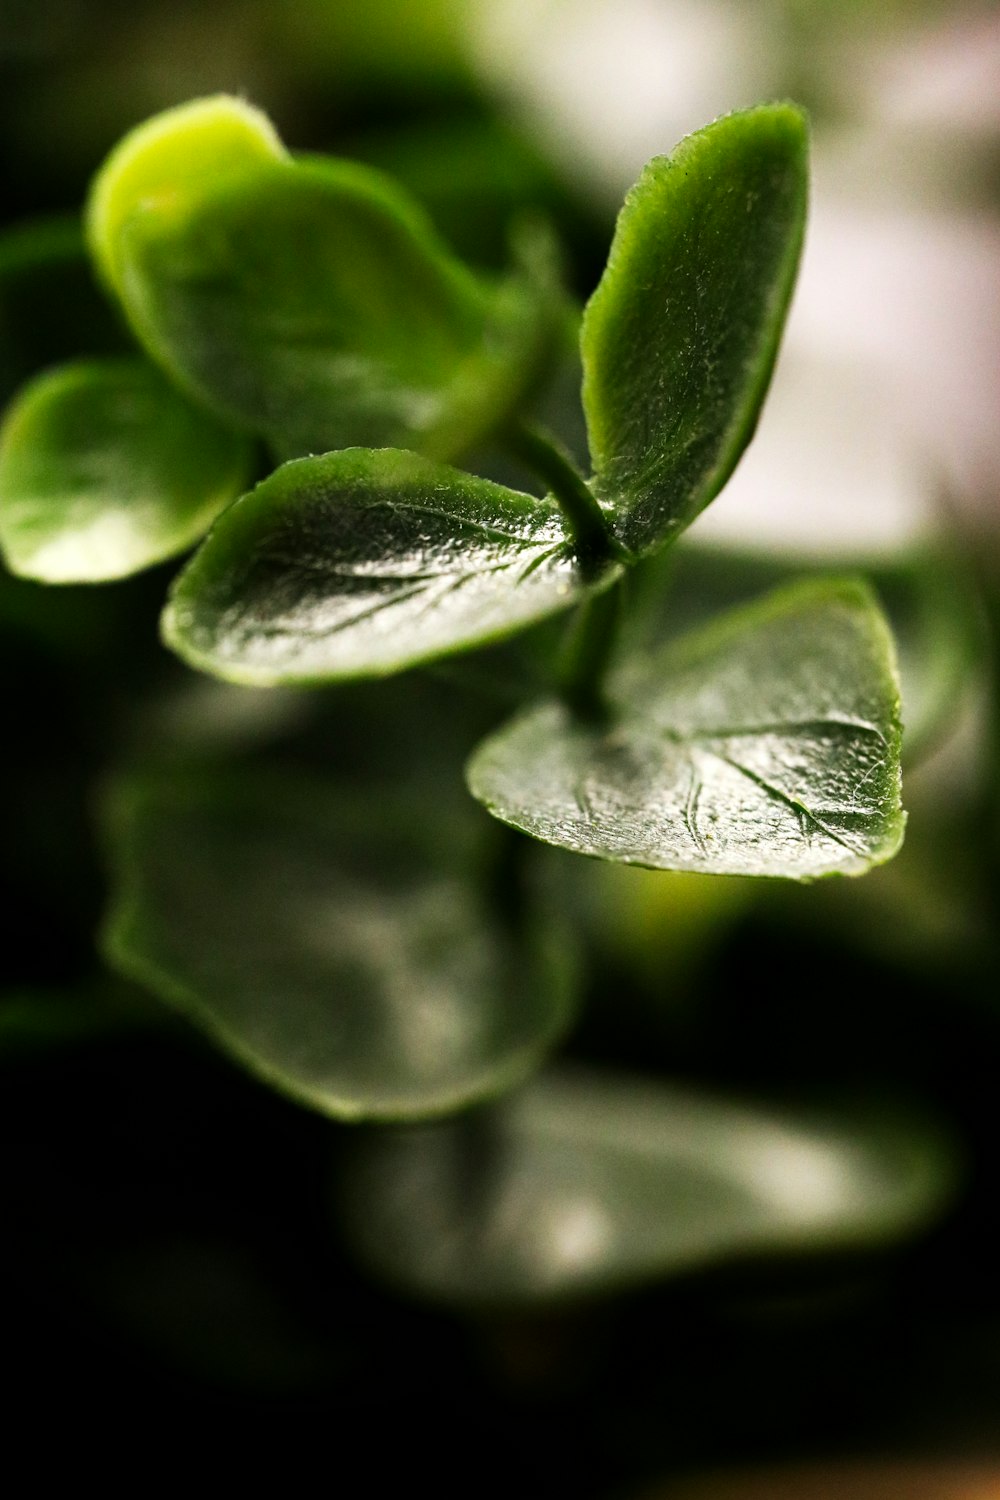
column 173, row 1262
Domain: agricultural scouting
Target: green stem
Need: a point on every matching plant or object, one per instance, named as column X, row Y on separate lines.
column 593, row 540
column 588, row 652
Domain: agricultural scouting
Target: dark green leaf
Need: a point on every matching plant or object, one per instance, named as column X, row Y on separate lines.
column 585, row 1182
column 363, row 562
column 342, row 951
column 931, row 599
column 311, row 302
column 106, row 469
column 765, row 744
column 680, row 337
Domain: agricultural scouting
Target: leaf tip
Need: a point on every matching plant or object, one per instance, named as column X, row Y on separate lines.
column 180, row 145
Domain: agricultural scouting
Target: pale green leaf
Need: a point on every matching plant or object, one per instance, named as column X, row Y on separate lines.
column 169, row 155
column 310, row 301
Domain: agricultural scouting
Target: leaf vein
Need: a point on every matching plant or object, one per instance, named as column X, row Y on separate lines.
column 786, row 800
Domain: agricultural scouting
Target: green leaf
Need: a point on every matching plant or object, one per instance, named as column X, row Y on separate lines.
column 930, row 596
column 105, row 469
column 311, row 302
column 765, row 744
column 583, row 1183
column 340, row 949
column 362, row 563
column 680, row 337
column 174, row 153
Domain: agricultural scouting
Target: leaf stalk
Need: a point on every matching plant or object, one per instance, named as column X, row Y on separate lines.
column 544, row 455
column 589, row 649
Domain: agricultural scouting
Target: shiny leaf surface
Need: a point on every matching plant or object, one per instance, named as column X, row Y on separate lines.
column 680, row 337
column 931, row 598
column 310, row 300
column 584, row 1182
column 363, row 562
column 765, row 744
column 343, row 952
column 105, row 469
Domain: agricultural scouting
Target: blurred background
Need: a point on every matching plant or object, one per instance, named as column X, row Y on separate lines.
column 175, row 1256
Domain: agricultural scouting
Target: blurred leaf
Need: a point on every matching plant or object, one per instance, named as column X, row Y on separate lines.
column 475, row 175
column 105, row 469
column 311, row 301
column 765, row 744
column 364, row 562
column 585, row 1182
column 342, row 952
column 194, row 719
column 681, row 335
column 180, row 150
column 936, row 612
column 50, row 306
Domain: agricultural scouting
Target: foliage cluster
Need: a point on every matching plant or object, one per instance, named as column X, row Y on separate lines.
column 282, row 368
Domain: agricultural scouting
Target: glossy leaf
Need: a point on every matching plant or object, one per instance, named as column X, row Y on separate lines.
column 105, row 469
column 311, row 302
column 930, row 596
column 361, row 563
column 765, row 744
column 680, row 337
column 585, row 1182
column 342, row 951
